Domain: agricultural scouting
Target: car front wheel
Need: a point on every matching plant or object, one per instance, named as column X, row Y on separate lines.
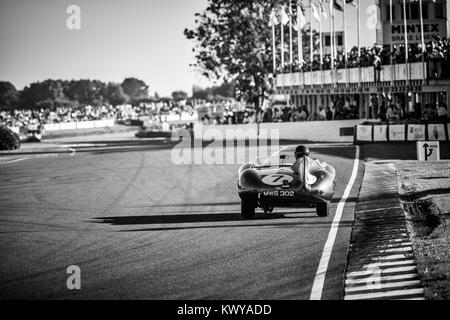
column 322, row 209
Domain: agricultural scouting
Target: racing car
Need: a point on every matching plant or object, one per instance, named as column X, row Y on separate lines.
column 287, row 181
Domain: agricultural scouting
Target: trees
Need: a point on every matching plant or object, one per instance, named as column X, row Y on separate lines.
column 136, row 89
column 8, row 95
column 225, row 90
column 48, row 93
column 86, row 91
column 233, row 42
column 179, row 95
column 114, row 94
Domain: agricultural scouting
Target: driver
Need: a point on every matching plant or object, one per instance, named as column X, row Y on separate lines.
column 299, row 153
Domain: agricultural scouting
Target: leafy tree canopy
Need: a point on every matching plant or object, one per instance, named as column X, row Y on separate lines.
column 136, row 89
column 234, row 42
column 8, row 95
column 179, row 95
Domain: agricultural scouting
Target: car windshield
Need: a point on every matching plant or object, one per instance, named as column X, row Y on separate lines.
column 282, row 160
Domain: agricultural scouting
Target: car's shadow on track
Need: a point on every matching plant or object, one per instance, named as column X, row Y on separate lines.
column 279, row 220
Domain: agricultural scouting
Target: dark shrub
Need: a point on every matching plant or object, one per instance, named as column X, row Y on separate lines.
column 9, row 140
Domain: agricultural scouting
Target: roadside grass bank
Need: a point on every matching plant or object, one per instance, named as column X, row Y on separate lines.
column 424, row 189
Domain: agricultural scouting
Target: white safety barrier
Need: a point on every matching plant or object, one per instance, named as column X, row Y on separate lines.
column 402, row 132
column 177, row 117
column 317, row 131
column 79, row 125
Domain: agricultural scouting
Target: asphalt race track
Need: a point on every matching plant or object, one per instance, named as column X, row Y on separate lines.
column 141, row 227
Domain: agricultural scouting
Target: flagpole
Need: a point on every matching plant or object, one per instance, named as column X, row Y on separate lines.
column 311, row 35
column 345, row 41
column 290, row 35
column 391, row 41
column 332, row 38
column 422, row 39
column 299, row 35
column 405, row 20
column 320, row 42
column 406, row 39
column 300, row 25
column 320, row 46
column 274, row 50
column 358, row 13
column 282, row 43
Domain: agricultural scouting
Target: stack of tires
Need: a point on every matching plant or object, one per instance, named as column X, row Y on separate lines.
column 9, row 140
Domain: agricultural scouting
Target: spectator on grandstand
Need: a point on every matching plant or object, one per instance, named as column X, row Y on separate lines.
column 276, row 115
column 328, row 114
column 300, row 115
column 322, row 113
column 442, row 112
column 393, row 113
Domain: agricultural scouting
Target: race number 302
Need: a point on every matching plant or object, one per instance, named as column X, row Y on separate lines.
column 281, row 193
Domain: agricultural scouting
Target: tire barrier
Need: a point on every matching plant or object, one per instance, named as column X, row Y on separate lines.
column 368, row 133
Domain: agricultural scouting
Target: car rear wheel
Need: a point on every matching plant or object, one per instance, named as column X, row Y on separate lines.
column 247, row 209
column 322, row 209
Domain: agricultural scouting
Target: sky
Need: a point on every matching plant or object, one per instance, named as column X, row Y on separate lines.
column 117, row 39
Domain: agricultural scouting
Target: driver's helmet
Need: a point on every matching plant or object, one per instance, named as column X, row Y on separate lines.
column 301, row 151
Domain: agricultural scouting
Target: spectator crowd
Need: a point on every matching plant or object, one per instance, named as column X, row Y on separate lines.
column 152, row 111
column 436, row 50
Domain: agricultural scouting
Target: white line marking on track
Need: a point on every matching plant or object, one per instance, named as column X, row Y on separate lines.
column 12, row 161
column 319, row 280
column 393, row 294
column 383, row 285
column 384, row 278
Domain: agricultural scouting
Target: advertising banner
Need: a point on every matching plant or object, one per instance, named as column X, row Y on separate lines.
column 400, row 72
column 308, row 79
column 436, row 132
column 317, row 77
column 340, row 76
column 327, row 79
column 386, row 73
column 367, row 74
column 397, row 132
column 364, row 133
column 380, row 133
column 417, row 70
column 416, row 132
column 431, row 28
column 353, row 75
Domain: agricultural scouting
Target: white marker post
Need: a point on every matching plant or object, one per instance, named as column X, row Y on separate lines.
column 428, row 151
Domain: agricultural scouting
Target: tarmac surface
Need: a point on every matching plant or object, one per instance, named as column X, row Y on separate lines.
column 141, row 227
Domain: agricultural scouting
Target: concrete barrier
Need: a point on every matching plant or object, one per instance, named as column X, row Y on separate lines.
column 315, row 131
